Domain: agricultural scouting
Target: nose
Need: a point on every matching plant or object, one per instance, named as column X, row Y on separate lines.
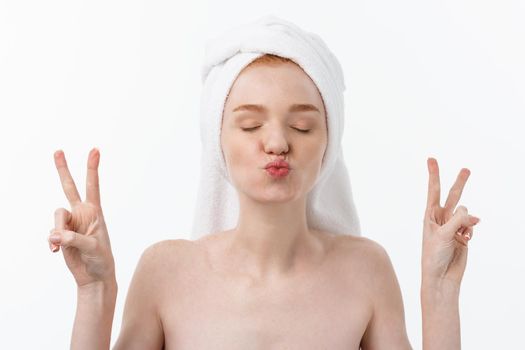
column 275, row 142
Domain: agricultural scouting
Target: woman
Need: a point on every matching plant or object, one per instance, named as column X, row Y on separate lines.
column 273, row 281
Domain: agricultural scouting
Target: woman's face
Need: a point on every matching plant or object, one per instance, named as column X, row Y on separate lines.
column 268, row 94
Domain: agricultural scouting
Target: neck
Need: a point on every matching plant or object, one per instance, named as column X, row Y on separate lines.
column 270, row 237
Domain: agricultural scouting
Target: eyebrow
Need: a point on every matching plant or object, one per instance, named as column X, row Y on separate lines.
column 297, row 107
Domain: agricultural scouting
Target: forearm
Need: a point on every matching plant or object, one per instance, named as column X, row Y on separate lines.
column 440, row 311
column 94, row 317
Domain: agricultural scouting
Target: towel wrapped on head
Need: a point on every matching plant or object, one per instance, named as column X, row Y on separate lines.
column 330, row 205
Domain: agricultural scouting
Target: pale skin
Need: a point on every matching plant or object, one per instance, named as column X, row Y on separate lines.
column 271, row 282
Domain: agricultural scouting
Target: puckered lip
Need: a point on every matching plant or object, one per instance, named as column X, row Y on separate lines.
column 278, row 164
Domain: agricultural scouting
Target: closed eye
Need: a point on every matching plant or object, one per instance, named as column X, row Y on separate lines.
column 255, row 127
column 249, row 129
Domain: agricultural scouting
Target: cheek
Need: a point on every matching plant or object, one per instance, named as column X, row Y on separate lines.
column 314, row 151
column 312, row 161
column 240, row 155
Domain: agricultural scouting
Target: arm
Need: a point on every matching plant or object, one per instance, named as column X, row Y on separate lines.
column 94, row 316
column 141, row 323
column 83, row 237
column 446, row 233
column 386, row 329
column 440, row 308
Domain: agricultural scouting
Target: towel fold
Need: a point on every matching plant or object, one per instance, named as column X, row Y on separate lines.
column 330, row 205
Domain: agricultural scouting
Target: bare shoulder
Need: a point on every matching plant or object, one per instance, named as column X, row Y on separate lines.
column 359, row 242
column 167, row 254
column 142, row 320
column 365, row 257
column 373, row 268
column 362, row 248
column 169, row 246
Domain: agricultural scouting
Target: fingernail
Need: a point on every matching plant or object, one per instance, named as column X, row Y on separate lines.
column 467, row 236
column 54, row 238
column 54, row 249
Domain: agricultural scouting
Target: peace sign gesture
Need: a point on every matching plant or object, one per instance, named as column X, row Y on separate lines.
column 446, row 230
column 82, row 232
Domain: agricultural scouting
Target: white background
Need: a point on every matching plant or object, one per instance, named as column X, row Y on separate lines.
column 424, row 78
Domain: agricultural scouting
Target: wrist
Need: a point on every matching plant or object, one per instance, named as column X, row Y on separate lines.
column 439, row 289
column 107, row 288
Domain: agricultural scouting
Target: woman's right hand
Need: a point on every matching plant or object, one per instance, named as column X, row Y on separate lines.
column 82, row 232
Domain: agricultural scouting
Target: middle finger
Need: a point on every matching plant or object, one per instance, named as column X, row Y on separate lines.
column 456, row 190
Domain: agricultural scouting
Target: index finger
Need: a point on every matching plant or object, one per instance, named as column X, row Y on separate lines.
column 434, row 186
column 68, row 184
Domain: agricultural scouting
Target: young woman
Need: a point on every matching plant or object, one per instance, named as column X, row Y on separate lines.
column 272, row 281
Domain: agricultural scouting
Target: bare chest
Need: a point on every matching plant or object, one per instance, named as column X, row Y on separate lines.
column 321, row 310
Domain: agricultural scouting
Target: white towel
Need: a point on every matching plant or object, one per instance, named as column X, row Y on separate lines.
column 330, row 206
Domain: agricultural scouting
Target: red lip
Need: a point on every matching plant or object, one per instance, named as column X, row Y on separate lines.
column 277, row 164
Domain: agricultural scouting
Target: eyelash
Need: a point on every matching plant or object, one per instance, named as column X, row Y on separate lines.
column 255, row 127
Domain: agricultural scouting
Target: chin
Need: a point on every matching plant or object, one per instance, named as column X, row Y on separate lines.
column 272, row 196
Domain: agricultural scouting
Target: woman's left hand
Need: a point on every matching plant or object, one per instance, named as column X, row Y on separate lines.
column 446, row 231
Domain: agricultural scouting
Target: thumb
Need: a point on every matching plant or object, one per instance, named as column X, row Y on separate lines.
column 66, row 238
column 460, row 219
